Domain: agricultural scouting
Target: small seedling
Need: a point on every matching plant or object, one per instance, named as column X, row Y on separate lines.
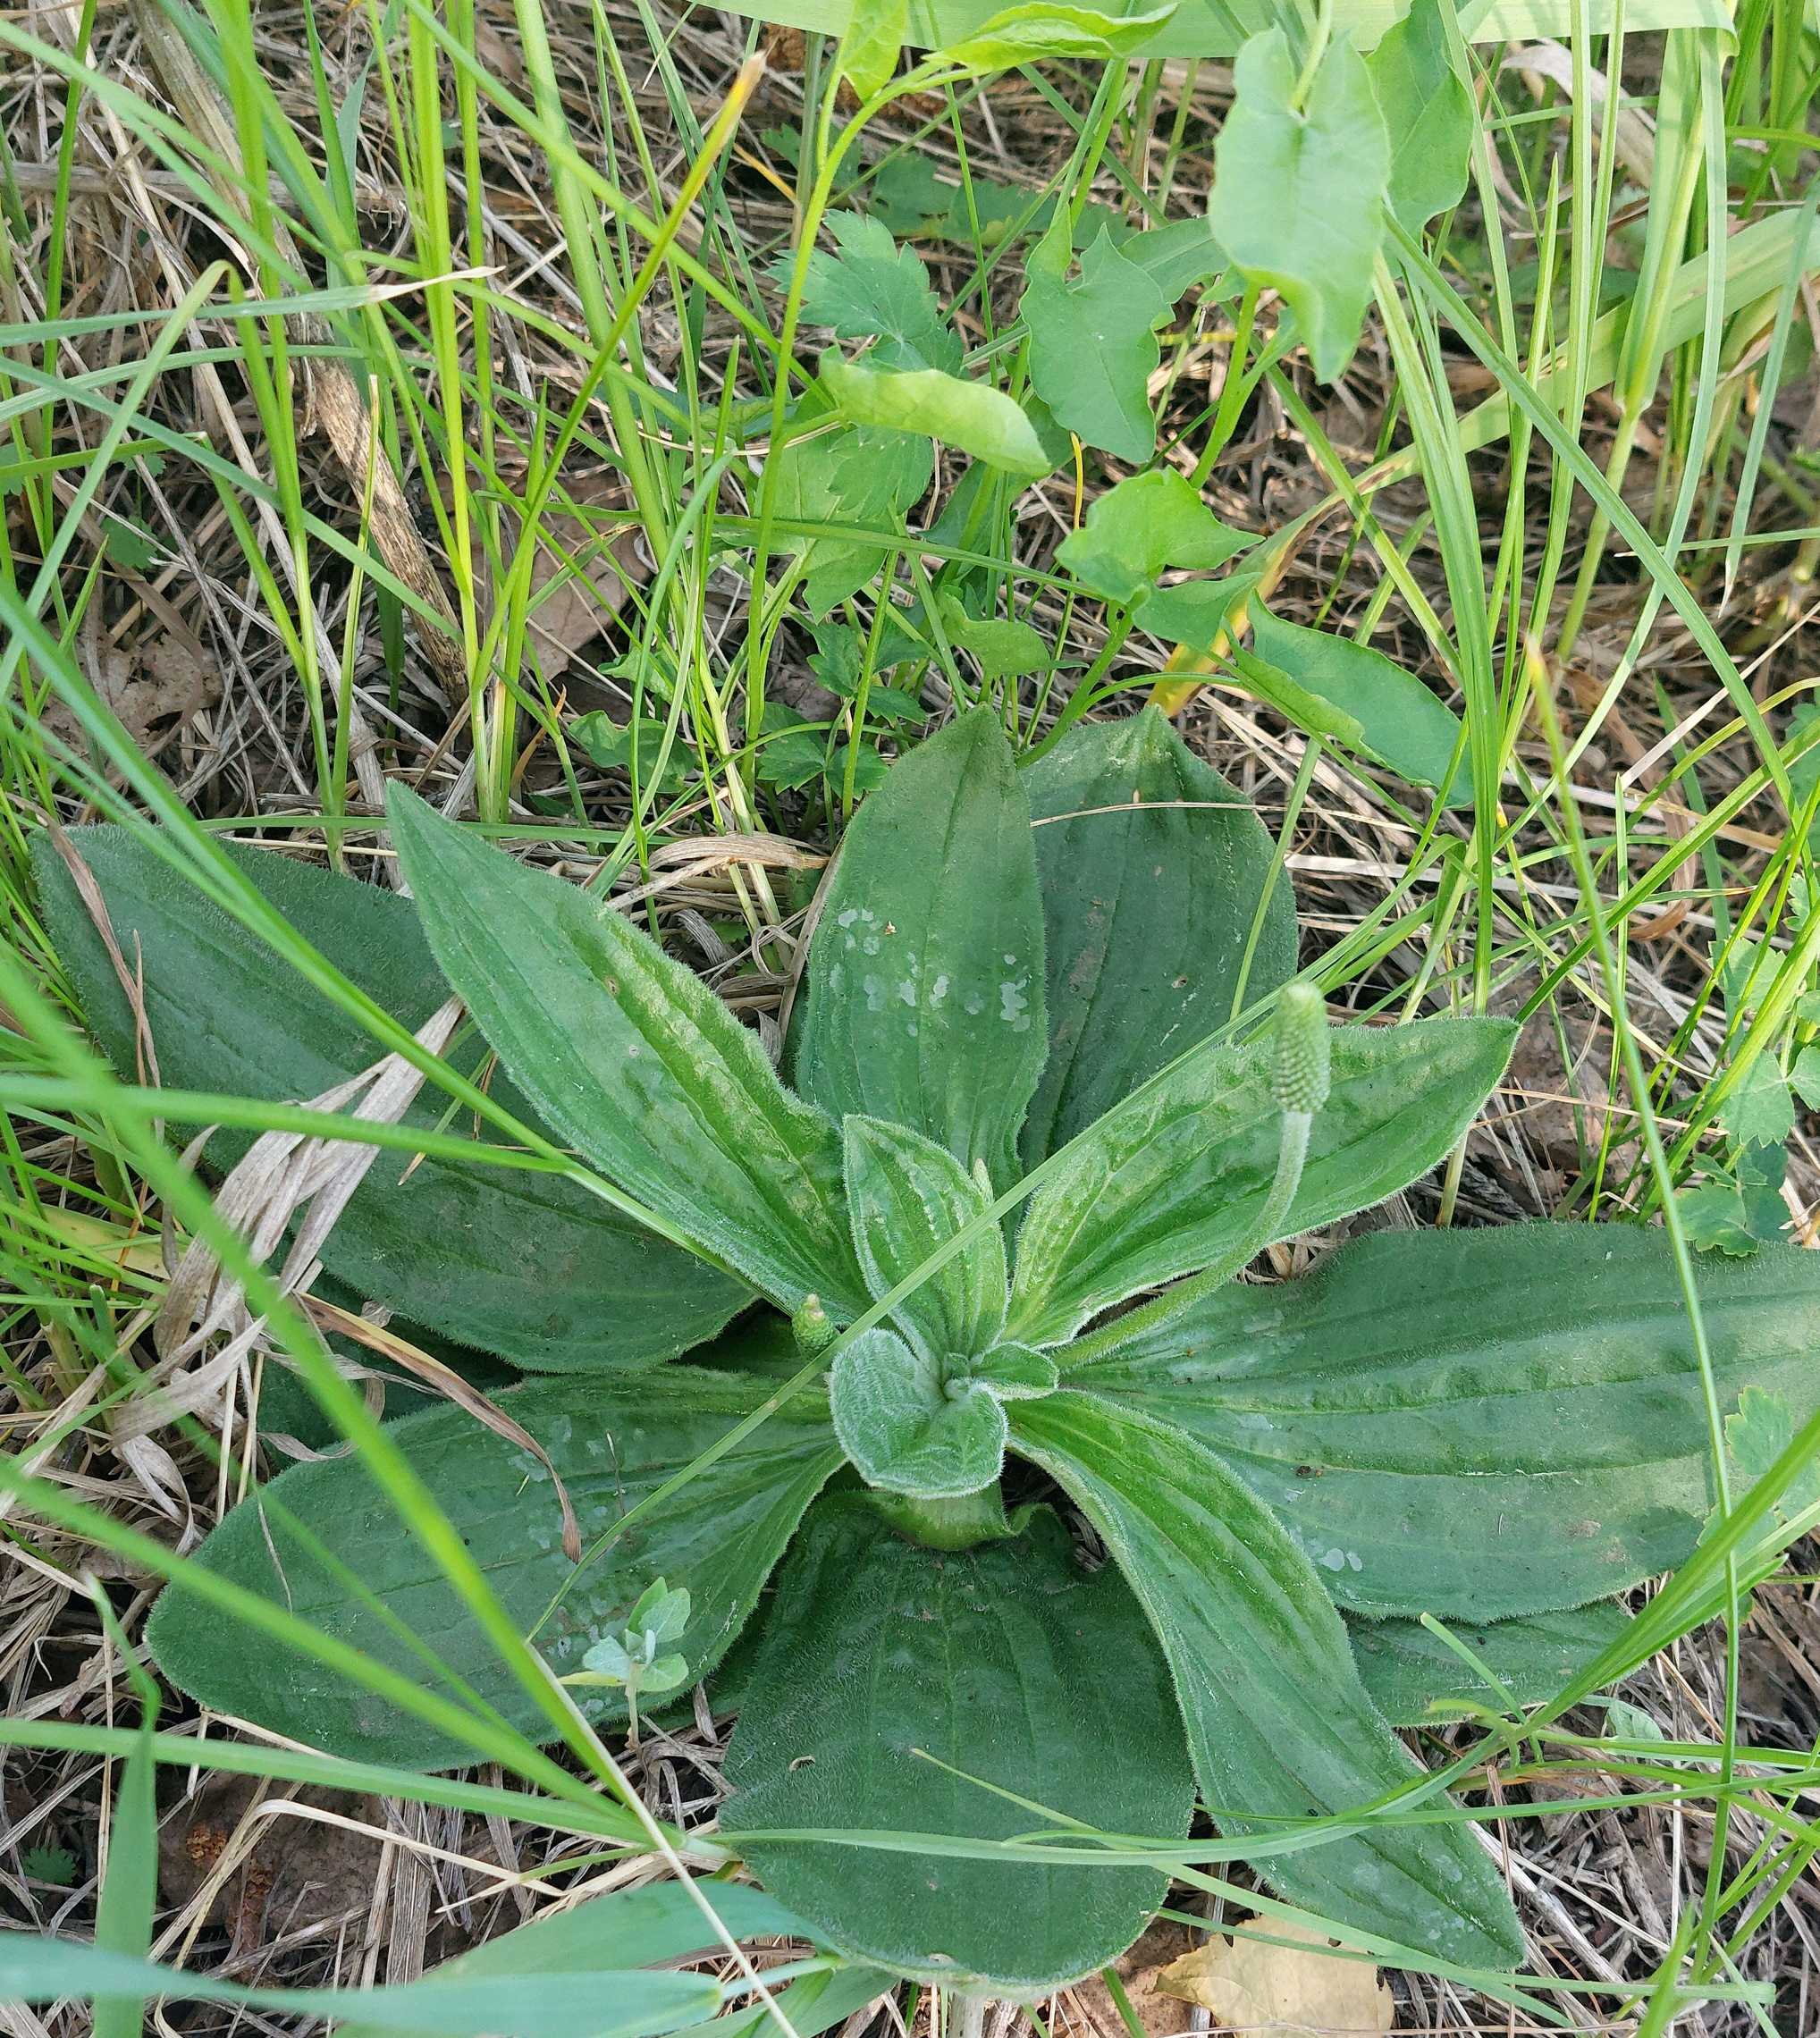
column 632, row 1658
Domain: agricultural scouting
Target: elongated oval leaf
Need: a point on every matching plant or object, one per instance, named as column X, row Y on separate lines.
column 1007, row 1662
column 1477, row 1424
column 1413, row 1675
column 1044, row 29
column 625, row 1929
column 923, row 997
column 525, row 1266
column 906, row 1197
column 1178, row 1175
column 973, row 416
column 1279, row 1722
column 1156, row 876
column 610, row 1446
column 585, row 2005
column 633, row 1057
column 1399, row 721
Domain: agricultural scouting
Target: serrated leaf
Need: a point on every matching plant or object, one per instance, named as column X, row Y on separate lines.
column 1007, row 1663
column 1093, row 349
column 1278, row 1721
column 845, row 478
column 902, row 1429
column 1298, row 193
column 1177, row 1175
column 1154, row 873
column 1760, row 1111
column 525, row 1266
column 872, row 287
column 912, row 1011
column 1139, row 528
column 1429, row 114
column 1714, row 1217
column 1803, row 1078
column 1480, row 1423
column 905, row 1197
column 612, row 1445
column 631, row 1056
column 1039, row 30
column 972, row 416
column 1400, row 721
column 1756, row 1433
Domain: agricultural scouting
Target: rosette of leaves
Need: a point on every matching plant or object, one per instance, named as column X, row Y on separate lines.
column 1017, row 1101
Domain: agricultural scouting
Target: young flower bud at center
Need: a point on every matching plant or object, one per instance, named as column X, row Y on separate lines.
column 814, row 1327
column 1300, row 1069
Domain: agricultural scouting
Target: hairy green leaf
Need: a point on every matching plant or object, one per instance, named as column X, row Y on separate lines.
column 909, row 1425
column 1413, row 1675
column 630, row 1055
column 1428, row 112
column 971, row 416
column 525, row 1266
column 490, row 2006
column 1279, row 1724
column 1477, row 1424
column 1142, row 525
column 906, row 1197
column 612, row 1445
column 606, row 1936
column 1299, row 190
column 915, row 1011
column 1178, row 1175
column 1155, row 874
column 1400, row 721
column 1006, row 1662
column 1093, row 349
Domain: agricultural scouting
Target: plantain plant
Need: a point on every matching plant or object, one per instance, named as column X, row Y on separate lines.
column 1048, row 1056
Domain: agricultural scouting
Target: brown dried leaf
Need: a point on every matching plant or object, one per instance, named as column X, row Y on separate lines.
column 1278, row 1978
column 156, row 688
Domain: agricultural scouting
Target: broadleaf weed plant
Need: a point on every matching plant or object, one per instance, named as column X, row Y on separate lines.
column 893, row 1373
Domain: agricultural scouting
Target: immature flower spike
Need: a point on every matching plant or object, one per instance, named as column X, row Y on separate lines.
column 1300, row 1070
column 814, row 1327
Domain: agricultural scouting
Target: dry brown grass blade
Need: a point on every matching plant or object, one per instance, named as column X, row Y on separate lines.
column 283, row 1177
column 335, row 400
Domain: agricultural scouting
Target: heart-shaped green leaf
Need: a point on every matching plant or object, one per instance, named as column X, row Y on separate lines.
column 1279, row 1726
column 356, row 1573
column 1178, row 1176
column 907, row 1197
column 923, row 994
column 912, row 1424
column 1477, row 1424
column 1007, row 1663
column 525, row 1266
column 1299, row 187
column 633, row 1057
column 1160, row 909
